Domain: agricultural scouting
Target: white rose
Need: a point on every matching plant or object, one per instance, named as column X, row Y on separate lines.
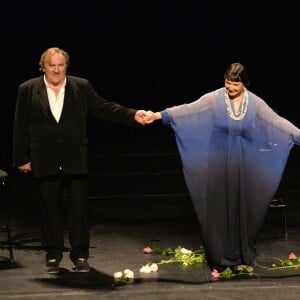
column 145, row 269
column 186, row 251
column 154, row 268
column 117, row 275
column 128, row 273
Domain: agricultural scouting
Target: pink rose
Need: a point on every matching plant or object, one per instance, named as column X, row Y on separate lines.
column 147, row 250
column 215, row 273
column 292, row 256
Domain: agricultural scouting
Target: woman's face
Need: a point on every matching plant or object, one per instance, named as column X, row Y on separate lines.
column 234, row 88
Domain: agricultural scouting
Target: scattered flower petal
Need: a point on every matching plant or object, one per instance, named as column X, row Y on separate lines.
column 215, row 273
column 147, row 250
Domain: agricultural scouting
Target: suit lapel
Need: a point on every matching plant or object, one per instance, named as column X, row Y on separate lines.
column 67, row 99
column 42, row 97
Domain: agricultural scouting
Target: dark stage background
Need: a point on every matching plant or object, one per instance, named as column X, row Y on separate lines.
column 153, row 54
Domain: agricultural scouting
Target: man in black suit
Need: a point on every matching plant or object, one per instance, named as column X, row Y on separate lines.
column 50, row 139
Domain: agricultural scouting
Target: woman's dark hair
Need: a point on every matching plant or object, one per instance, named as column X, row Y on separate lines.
column 238, row 73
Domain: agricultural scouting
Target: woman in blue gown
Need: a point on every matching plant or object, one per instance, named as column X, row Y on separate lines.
column 234, row 149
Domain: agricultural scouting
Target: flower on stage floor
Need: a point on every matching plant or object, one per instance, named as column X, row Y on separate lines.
column 147, row 250
column 179, row 255
column 157, row 250
column 292, row 256
column 187, row 257
column 149, row 268
column 215, row 273
column 292, row 262
column 234, row 271
column 123, row 277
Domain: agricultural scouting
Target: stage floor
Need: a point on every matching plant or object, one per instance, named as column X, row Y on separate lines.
column 116, row 246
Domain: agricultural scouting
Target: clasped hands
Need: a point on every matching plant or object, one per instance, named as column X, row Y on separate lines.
column 146, row 117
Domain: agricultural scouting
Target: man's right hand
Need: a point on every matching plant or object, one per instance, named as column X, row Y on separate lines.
column 25, row 168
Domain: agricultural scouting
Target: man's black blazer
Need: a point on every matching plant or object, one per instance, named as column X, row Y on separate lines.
column 48, row 145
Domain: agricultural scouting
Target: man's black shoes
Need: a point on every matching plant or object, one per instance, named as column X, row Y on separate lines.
column 52, row 266
column 81, row 265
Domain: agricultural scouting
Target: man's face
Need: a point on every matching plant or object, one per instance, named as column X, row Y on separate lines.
column 55, row 69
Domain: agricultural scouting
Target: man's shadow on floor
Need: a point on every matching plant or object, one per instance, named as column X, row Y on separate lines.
column 93, row 280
